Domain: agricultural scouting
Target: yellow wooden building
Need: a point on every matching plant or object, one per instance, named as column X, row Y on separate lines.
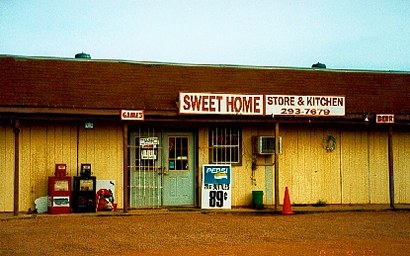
column 151, row 127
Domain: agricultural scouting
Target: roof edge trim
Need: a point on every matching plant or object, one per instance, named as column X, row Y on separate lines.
column 238, row 66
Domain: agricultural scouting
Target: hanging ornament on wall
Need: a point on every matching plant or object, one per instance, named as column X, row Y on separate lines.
column 329, row 143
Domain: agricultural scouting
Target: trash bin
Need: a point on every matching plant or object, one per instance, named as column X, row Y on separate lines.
column 257, row 199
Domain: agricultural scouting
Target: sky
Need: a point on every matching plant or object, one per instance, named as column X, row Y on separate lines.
column 343, row 34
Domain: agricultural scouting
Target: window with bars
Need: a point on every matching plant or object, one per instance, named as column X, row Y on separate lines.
column 225, row 145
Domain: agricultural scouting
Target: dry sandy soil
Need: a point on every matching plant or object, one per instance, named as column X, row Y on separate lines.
column 196, row 233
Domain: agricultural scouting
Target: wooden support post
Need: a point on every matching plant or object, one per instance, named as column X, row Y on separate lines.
column 16, row 129
column 391, row 167
column 125, row 167
column 276, row 166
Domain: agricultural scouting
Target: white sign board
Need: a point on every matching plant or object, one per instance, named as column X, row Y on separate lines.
column 227, row 104
column 257, row 105
column 150, row 154
column 132, row 115
column 149, row 147
column 291, row 105
column 385, row 118
column 216, row 186
column 149, row 141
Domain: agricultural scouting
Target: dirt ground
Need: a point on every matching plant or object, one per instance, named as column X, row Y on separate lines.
column 198, row 233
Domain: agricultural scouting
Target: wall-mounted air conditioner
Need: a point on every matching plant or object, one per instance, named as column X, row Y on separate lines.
column 265, row 145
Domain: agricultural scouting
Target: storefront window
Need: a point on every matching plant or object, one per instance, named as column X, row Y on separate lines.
column 225, row 145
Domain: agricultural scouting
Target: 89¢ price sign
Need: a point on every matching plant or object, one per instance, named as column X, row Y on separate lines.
column 216, row 186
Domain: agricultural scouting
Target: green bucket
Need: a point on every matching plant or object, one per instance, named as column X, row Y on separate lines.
column 257, row 199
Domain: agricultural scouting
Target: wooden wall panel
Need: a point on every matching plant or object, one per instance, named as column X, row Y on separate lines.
column 102, row 147
column 203, row 148
column 6, row 167
column 32, row 161
column 38, row 163
column 242, row 185
column 306, row 167
column 203, row 153
column 378, row 167
column 355, row 167
column 356, row 172
column 265, row 169
column 309, row 171
column 25, row 167
column 61, row 144
column 42, row 145
column 401, row 145
column 289, row 164
column 245, row 180
column 326, row 172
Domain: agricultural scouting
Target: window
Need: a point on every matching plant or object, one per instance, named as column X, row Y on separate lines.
column 178, row 153
column 225, row 145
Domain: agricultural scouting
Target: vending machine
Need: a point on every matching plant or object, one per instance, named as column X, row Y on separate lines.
column 84, row 191
column 59, row 191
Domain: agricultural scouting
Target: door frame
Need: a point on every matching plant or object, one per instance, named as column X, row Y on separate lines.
column 162, row 134
column 190, row 173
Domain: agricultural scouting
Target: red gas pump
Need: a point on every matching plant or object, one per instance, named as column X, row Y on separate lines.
column 59, row 191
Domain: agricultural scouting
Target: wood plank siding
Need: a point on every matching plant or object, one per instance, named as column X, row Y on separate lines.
column 46, row 143
column 6, row 166
column 401, row 142
column 356, row 172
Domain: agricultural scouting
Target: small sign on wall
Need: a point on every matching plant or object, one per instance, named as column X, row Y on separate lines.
column 89, row 125
column 216, row 186
column 132, row 115
column 385, row 118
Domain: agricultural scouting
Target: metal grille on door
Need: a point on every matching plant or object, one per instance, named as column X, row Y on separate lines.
column 145, row 169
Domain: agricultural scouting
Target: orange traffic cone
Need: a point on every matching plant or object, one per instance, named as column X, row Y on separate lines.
column 287, row 208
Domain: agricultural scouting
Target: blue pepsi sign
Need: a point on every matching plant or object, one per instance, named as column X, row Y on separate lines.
column 217, row 174
column 216, row 186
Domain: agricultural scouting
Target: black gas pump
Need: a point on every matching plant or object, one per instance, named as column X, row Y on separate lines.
column 84, row 190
